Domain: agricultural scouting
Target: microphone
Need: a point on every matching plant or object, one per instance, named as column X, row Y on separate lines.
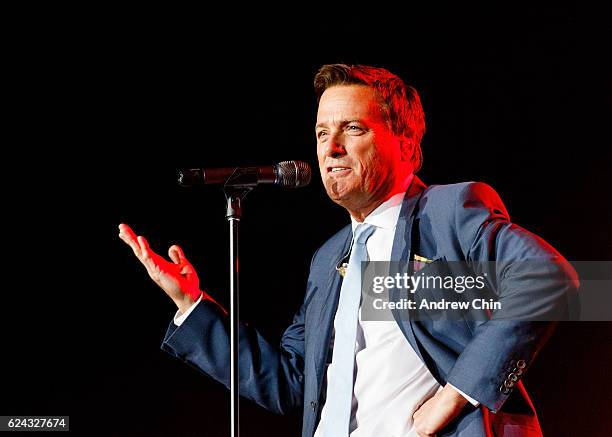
column 290, row 174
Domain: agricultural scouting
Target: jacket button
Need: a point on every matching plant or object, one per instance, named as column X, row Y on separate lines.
column 521, row 364
column 313, row 405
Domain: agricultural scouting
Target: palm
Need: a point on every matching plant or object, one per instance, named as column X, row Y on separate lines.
column 176, row 278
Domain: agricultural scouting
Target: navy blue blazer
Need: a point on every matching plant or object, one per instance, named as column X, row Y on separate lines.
column 485, row 359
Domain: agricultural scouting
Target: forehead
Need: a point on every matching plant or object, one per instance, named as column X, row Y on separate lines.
column 348, row 102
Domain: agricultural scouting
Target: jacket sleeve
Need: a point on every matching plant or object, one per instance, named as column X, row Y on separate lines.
column 270, row 375
column 533, row 282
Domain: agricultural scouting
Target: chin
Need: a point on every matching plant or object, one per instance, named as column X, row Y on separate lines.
column 334, row 193
column 344, row 198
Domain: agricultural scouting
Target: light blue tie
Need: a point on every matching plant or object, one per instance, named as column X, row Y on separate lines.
column 340, row 376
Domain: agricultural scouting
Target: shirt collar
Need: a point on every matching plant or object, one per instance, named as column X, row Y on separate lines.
column 386, row 214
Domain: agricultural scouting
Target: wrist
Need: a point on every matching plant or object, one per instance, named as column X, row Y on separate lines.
column 186, row 301
column 453, row 396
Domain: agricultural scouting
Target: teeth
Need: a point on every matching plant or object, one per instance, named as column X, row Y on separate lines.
column 338, row 169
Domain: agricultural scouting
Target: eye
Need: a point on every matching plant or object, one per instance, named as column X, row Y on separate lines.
column 321, row 134
column 354, row 129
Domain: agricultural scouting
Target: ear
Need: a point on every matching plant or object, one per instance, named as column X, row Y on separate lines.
column 406, row 148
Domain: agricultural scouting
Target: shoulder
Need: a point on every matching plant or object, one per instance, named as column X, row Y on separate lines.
column 457, row 190
column 449, row 197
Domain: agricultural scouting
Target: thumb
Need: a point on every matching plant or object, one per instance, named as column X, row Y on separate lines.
column 176, row 255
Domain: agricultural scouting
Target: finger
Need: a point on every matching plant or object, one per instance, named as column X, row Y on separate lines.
column 125, row 230
column 144, row 247
column 129, row 237
column 132, row 243
column 176, row 255
column 173, row 253
column 149, row 259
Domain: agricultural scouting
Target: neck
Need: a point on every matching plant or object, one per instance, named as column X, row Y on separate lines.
column 359, row 214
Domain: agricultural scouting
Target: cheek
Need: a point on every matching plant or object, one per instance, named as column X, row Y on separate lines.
column 370, row 163
column 320, row 156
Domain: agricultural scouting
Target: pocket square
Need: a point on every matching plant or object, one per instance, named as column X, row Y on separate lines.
column 420, row 262
column 422, row 259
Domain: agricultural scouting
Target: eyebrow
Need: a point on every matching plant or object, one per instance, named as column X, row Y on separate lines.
column 342, row 123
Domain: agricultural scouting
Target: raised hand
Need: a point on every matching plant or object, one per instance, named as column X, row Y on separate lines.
column 177, row 278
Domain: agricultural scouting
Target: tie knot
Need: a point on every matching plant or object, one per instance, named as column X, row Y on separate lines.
column 362, row 233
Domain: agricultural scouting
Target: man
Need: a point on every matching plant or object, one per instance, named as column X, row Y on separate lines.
column 410, row 377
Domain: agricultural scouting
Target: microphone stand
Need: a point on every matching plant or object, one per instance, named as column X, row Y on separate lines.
column 236, row 188
column 240, row 183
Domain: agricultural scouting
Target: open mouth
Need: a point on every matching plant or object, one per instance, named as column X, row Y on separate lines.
column 338, row 170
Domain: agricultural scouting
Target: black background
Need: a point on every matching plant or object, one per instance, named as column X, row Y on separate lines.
column 108, row 104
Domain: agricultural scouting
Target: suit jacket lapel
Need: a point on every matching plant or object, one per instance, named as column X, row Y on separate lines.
column 401, row 252
column 328, row 304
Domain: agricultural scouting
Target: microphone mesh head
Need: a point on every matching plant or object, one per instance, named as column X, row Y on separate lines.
column 293, row 174
column 188, row 177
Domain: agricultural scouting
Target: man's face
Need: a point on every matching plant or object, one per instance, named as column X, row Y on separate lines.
column 359, row 156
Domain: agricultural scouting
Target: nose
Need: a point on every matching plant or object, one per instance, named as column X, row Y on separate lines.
column 333, row 147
